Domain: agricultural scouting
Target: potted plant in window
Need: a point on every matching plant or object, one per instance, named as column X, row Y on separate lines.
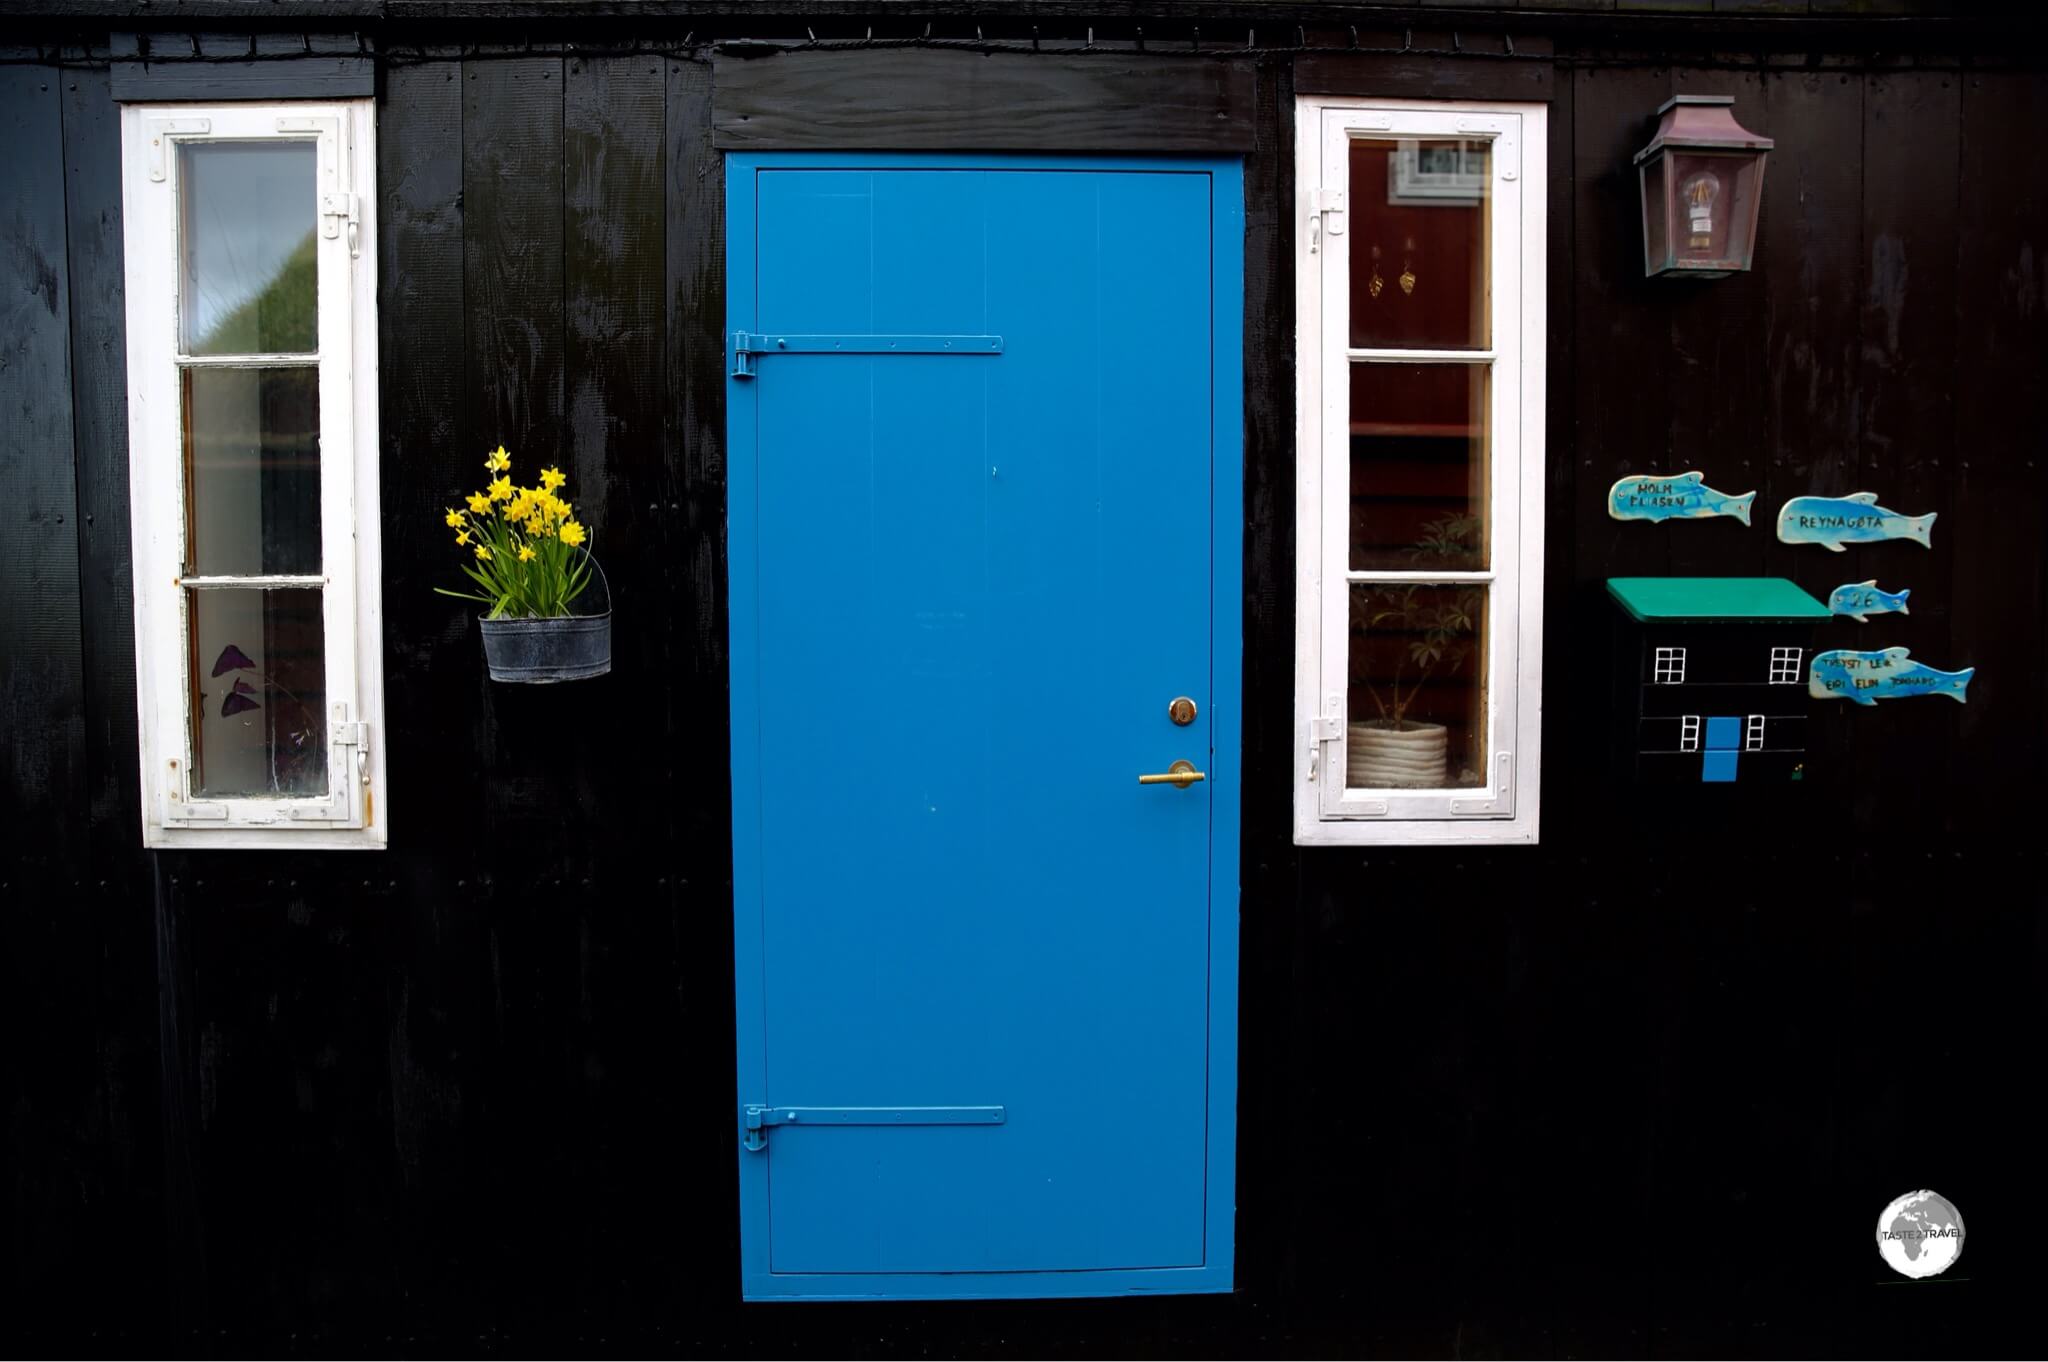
column 530, row 559
column 1392, row 750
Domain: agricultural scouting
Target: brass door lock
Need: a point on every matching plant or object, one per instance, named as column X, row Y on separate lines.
column 1181, row 710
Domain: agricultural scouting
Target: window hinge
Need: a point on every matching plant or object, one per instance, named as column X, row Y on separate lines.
column 354, row 736
column 1328, row 216
column 339, row 212
column 1326, row 727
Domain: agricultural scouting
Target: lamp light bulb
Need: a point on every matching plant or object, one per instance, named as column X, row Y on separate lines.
column 1699, row 192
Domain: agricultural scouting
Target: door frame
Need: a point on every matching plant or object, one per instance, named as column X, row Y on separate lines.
column 1226, row 534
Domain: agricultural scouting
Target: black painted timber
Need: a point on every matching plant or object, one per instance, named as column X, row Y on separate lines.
column 1639, row 1090
column 309, row 77
column 922, row 100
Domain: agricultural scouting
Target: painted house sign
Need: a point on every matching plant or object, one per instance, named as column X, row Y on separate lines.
column 1860, row 600
column 1882, row 674
column 1854, row 519
column 1682, row 496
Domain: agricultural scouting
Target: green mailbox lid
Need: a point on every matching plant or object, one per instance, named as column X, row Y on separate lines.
column 1714, row 598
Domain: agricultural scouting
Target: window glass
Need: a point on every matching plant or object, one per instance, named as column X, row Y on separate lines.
column 259, row 693
column 1420, row 218
column 252, row 447
column 248, row 272
column 1417, row 703
column 1419, row 467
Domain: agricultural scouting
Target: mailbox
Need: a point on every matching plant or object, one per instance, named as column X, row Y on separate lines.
column 1710, row 678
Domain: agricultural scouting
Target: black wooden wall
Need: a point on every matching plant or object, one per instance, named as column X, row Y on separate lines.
column 1643, row 1089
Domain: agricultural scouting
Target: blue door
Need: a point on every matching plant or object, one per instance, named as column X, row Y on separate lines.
column 985, row 531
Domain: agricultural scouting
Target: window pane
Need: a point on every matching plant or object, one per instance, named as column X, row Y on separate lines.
column 1419, row 226
column 1419, row 467
column 252, row 471
column 1417, row 703
column 248, row 230
column 259, row 693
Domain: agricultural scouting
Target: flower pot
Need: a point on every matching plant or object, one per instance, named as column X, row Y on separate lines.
column 539, row 651
column 1411, row 757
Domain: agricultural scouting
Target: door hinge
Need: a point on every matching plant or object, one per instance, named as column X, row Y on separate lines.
column 747, row 345
column 758, row 1118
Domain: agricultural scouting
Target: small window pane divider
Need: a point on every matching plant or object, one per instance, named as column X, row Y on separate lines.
column 303, row 359
column 1420, row 356
column 274, row 582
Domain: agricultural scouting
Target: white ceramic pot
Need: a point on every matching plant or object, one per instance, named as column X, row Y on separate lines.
column 1412, row 757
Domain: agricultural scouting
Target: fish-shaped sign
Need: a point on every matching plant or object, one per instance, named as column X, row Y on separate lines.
column 1682, row 496
column 1886, row 674
column 1860, row 600
column 1854, row 519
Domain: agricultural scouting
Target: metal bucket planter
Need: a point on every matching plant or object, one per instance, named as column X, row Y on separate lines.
column 540, row 651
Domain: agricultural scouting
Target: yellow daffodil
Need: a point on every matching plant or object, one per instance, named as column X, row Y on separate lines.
column 571, row 532
column 526, row 553
column 498, row 460
column 454, row 519
column 462, row 537
column 501, row 489
column 483, row 552
column 478, row 502
column 551, row 478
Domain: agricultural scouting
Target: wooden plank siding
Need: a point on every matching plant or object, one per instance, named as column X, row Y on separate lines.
column 473, row 1092
column 905, row 99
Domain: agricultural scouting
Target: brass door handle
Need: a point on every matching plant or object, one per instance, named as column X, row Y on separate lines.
column 1181, row 773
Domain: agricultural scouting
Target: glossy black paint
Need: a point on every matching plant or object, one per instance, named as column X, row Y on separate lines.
column 1643, row 1089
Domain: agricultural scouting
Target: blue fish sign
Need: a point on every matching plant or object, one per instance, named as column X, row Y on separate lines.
column 1860, row 600
column 1854, row 519
column 1682, row 496
column 1886, row 674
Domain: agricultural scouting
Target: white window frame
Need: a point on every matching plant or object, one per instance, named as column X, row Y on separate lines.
column 1786, row 666
column 1753, row 733
column 355, row 812
column 1667, row 667
column 1689, row 733
column 1504, row 810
